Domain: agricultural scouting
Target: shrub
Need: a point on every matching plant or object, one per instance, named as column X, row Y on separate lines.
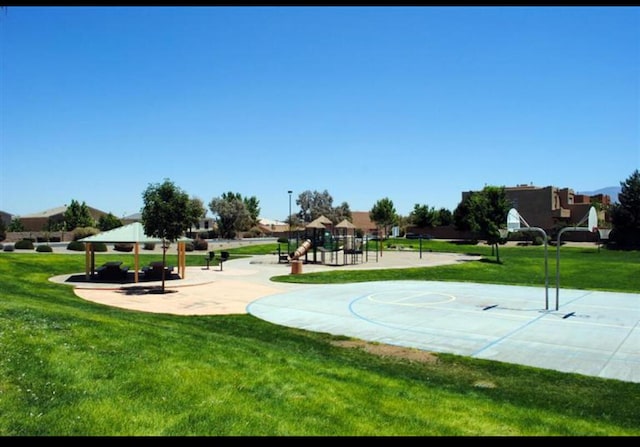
column 254, row 232
column 149, row 246
column 99, row 246
column 200, row 244
column 75, row 246
column 188, row 246
column 8, row 248
column 24, row 244
column 82, row 232
column 44, row 248
column 123, row 247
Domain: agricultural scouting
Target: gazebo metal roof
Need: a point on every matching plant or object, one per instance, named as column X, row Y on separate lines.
column 131, row 233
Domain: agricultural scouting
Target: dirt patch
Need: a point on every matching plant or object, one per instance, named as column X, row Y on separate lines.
column 384, row 350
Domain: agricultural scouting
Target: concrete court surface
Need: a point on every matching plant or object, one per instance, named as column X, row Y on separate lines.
column 591, row 333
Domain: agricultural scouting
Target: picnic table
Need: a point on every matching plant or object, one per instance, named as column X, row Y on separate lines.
column 112, row 270
column 154, row 270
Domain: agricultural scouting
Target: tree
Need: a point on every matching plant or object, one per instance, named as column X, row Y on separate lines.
column 340, row 213
column 253, row 207
column 383, row 214
column 625, row 214
column 108, row 222
column 167, row 213
column 54, row 223
column 484, row 213
column 424, row 216
column 445, row 217
column 77, row 215
column 314, row 204
column 197, row 210
column 16, row 225
column 232, row 212
column 3, row 230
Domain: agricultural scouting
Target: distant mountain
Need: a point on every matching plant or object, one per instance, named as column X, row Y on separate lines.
column 611, row 191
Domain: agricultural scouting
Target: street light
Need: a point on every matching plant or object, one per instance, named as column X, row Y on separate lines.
column 289, row 238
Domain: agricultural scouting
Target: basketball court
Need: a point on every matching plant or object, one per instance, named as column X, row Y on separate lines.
column 591, row 333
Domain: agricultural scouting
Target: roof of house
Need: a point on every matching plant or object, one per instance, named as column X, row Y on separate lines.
column 47, row 213
column 56, row 212
column 361, row 219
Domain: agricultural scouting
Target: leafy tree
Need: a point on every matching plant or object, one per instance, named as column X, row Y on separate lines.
column 232, row 212
column 484, row 214
column 445, row 217
column 54, row 223
column 625, row 214
column 167, row 214
column 77, row 215
column 196, row 210
column 108, row 222
column 253, row 207
column 314, row 204
column 16, row 224
column 3, row 230
column 383, row 214
column 340, row 213
column 424, row 216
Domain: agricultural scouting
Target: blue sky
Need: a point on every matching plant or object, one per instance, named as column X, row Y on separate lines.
column 414, row 104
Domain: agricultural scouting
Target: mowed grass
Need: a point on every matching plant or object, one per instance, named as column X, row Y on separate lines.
column 71, row 367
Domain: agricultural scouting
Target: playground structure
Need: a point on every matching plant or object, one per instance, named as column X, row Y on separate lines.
column 324, row 243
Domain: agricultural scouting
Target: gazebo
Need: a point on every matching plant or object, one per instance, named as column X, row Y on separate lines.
column 129, row 234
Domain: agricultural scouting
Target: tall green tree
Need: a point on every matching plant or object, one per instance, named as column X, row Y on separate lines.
column 232, row 214
column 54, row 223
column 340, row 213
column 484, row 213
column 625, row 214
column 167, row 213
column 314, row 204
column 77, row 215
column 424, row 216
column 108, row 222
column 253, row 207
column 3, row 230
column 383, row 214
column 196, row 210
column 16, row 224
column 445, row 216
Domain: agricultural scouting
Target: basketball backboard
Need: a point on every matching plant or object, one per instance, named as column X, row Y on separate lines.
column 593, row 220
column 513, row 220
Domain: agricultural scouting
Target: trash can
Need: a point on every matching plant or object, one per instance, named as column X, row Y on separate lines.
column 296, row 267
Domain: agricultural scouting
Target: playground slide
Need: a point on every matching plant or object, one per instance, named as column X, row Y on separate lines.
column 301, row 250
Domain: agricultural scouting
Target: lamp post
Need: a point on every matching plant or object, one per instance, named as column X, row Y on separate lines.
column 289, row 238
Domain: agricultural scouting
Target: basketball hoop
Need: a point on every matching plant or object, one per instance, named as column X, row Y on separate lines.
column 504, row 233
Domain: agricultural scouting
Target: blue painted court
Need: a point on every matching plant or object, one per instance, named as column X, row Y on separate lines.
column 592, row 333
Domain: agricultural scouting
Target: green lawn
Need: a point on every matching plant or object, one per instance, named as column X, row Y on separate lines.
column 71, row 367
